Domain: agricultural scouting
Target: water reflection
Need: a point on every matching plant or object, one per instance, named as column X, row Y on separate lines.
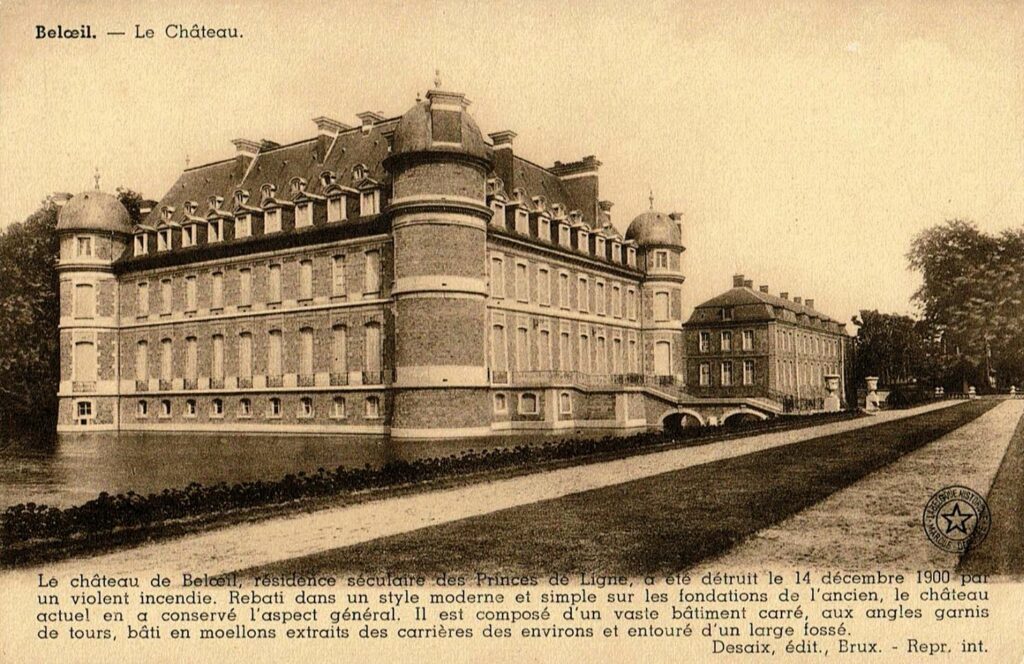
column 72, row 468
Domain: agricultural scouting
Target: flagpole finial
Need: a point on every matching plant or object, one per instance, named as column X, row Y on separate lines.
column 437, row 79
column 651, row 199
column 96, row 177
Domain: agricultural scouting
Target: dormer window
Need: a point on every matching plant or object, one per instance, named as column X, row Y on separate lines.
column 166, row 212
column 163, row 239
column 358, row 172
column 215, row 233
column 327, row 178
column 188, row 235
column 369, row 202
column 243, row 226
column 336, row 209
column 215, row 202
column 497, row 213
column 544, row 229
column 540, row 203
column 631, row 257
column 297, row 186
column 583, row 241
column 141, row 244
column 267, row 191
column 272, row 221
column 83, row 246
column 191, row 207
column 599, row 246
column 563, row 235
column 241, row 197
column 522, row 222
column 303, row 215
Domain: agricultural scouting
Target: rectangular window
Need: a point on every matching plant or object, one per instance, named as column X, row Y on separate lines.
column 726, row 373
column 748, row 340
column 705, row 342
column 599, row 301
column 528, row 404
column 142, row 361
column 725, row 313
column 499, row 350
column 564, row 352
column 601, row 356
column 634, row 358
column 631, row 304
column 336, row 209
column 522, row 282
column 544, row 286
column 373, row 348
column 726, row 341
column 85, row 301
column 748, row 372
column 163, row 240
column 214, row 233
column 188, row 235
column 583, row 294
column 338, row 276
column 563, row 235
column 190, row 293
column 372, row 273
column 522, row 222
column 306, row 351
column 274, row 284
column 616, row 301
column 563, row 290
column 616, row 356
column 217, row 296
column 141, row 244
column 274, row 353
column 369, row 203
column 661, row 259
column 217, row 368
column 584, row 353
column 661, row 306
column 544, row 351
column 522, row 349
column 191, row 361
column 372, row 408
column 544, row 229
column 245, row 355
column 304, row 215
column 272, row 221
column 85, row 361
column 165, row 297
column 166, row 357
column 243, row 226
column 339, row 350
column 497, row 277
column 306, row 280
column 84, row 247
column 705, row 374
column 245, row 287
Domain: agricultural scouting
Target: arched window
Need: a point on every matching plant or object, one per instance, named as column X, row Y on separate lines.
column 274, row 409
column 165, row 408
column 142, row 410
column 217, row 408
column 190, row 408
column 306, row 407
column 372, row 408
column 338, row 408
column 565, row 403
column 528, row 403
column 142, row 361
column 244, row 408
column 85, row 361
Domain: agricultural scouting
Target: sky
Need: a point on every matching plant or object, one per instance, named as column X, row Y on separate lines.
column 805, row 143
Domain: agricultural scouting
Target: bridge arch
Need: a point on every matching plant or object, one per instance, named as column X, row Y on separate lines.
column 741, row 415
column 677, row 419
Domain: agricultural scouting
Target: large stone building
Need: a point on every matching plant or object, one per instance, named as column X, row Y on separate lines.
column 403, row 277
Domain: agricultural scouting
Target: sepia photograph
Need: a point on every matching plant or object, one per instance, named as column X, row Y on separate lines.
column 674, row 331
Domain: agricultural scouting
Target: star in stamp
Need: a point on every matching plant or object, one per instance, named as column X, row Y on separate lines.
column 956, row 519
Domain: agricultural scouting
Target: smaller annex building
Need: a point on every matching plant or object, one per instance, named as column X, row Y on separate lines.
column 748, row 343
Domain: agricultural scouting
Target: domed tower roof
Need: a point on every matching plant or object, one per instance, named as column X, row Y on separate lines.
column 94, row 210
column 654, row 229
column 440, row 124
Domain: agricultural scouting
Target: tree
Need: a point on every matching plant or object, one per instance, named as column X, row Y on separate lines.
column 30, row 315
column 894, row 348
column 973, row 292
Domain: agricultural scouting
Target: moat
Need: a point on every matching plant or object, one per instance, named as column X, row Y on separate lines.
column 69, row 469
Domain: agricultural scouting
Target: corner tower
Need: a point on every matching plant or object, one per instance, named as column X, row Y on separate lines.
column 659, row 239
column 94, row 230
column 439, row 165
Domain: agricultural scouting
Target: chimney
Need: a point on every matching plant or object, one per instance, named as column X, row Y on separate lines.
column 503, row 139
column 797, row 299
column 327, row 130
column 737, row 281
column 246, row 151
column 784, row 295
column 749, row 283
column 809, row 303
column 764, row 288
column 369, row 118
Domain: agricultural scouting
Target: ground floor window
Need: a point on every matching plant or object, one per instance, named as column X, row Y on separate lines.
column 83, row 409
column 528, row 403
column 165, row 408
column 274, row 410
column 748, row 372
column 190, row 408
column 372, row 408
column 143, row 408
column 338, row 408
column 245, row 408
column 705, row 374
column 565, row 403
column 217, row 408
column 305, row 407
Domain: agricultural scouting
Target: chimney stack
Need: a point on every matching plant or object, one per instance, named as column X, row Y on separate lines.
column 749, row 283
column 797, row 299
column 502, row 139
column 810, row 303
column 737, row 281
column 370, row 118
column 764, row 288
column 784, row 295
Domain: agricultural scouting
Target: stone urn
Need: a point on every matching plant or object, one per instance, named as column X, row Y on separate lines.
column 972, row 393
column 832, row 402
column 871, row 401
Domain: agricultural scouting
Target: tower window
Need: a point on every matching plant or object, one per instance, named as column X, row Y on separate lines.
column 305, row 407
column 275, row 407
column 165, row 408
column 244, row 408
column 142, row 409
column 217, row 408
column 190, row 408
column 661, row 259
column 372, row 408
column 500, row 403
column 83, row 244
column 338, row 408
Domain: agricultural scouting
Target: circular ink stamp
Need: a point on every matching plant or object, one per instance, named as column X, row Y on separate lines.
column 957, row 519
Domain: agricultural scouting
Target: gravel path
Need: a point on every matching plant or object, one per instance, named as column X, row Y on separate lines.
column 255, row 544
column 876, row 522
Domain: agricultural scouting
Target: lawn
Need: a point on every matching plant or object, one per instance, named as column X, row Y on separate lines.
column 663, row 523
